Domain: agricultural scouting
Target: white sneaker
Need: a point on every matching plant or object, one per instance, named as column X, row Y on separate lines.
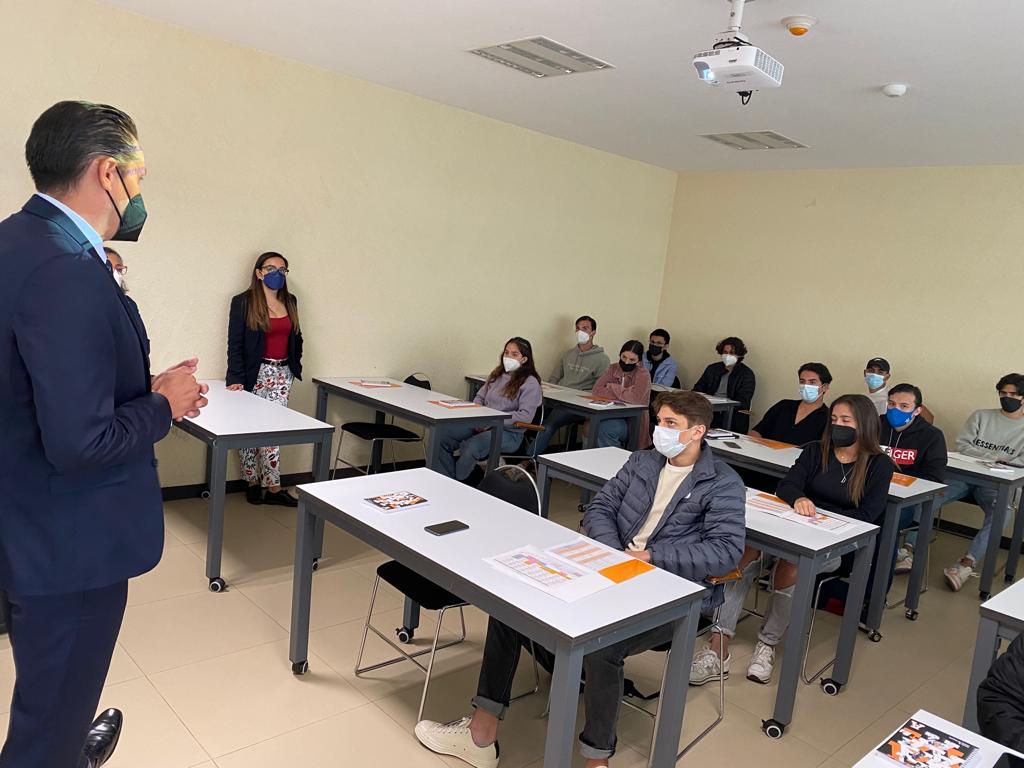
column 957, row 575
column 455, row 739
column 904, row 560
column 761, row 665
column 706, row 667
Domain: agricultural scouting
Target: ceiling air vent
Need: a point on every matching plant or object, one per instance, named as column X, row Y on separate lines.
column 541, row 57
column 754, row 140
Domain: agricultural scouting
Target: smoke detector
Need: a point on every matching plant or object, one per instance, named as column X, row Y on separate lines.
column 799, row 26
column 894, row 90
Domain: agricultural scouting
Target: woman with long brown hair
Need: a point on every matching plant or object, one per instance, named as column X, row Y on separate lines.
column 264, row 357
column 513, row 387
column 845, row 472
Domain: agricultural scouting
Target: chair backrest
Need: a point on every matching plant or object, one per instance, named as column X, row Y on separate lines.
column 418, row 379
column 514, row 485
column 675, row 383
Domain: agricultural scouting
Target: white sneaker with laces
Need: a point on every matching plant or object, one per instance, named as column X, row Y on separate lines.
column 904, row 560
column 706, row 667
column 761, row 664
column 957, row 575
column 455, row 739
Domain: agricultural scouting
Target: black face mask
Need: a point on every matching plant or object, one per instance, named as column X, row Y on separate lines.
column 843, row 436
column 655, row 350
column 1010, row 404
column 627, row 367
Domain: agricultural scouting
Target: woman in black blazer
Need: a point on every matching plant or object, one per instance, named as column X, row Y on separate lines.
column 264, row 357
column 740, row 385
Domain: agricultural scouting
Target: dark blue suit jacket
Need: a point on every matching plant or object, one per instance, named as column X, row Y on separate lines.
column 80, row 506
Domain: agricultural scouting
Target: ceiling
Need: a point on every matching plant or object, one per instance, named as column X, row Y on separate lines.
column 965, row 105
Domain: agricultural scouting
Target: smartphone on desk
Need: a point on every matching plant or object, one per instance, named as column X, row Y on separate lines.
column 443, row 529
column 731, row 444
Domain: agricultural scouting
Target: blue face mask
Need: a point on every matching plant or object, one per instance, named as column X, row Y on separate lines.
column 874, row 380
column 809, row 392
column 898, row 419
column 274, row 281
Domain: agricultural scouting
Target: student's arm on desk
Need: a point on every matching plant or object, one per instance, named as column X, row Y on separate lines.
column 600, row 521
column 793, row 486
column 640, row 392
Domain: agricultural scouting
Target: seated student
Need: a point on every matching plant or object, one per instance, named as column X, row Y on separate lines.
column 512, row 387
column 679, row 508
column 659, row 363
column 995, row 435
column 627, row 382
column 877, row 373
column 730, row 378
column 845, row 472
column 798, row 422
column 579, row 368
column 917, row 449
column 1001, row 701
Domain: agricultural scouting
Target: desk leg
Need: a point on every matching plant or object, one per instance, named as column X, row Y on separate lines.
column 377, row 451
column 209, row 469
column 565, row 697
column 727, row 417
column 1015, row 542
column 432, row 447
column 319, row 449
column 635, row 423
column 215, row 528
column 321, row 473
column 880, row 583
column 796, row 638
column 302, row 587
column 672, row 703
column 985, row 650
column 918, row 575
column 494, row 457
column 848, row 628
column 593, row 427
column 544, row 484
column 992, row 552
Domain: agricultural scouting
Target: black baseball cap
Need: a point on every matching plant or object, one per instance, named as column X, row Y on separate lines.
column 879, row 362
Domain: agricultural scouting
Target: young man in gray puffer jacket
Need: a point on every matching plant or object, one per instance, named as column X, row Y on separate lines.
column 677, row 507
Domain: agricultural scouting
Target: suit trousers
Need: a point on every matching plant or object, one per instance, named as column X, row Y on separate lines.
column 62, row 647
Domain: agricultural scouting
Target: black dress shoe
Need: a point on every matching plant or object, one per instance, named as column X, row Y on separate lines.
column 102, row 739
column 280, row 498
column 254, row 494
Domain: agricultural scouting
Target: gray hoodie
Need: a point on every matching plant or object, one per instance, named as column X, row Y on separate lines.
column 989, row 434
column 580, row 370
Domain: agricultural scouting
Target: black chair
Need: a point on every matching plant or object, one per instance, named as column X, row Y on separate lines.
column 381, row 433
column 527, row 450
column 512, row 484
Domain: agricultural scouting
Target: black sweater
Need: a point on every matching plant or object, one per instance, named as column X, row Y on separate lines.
column 919, row 450
column 1001, row 699
column 778, row 423
column 739, row 388
column 827, row 490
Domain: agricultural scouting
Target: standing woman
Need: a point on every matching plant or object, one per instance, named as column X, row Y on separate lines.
column 264, row 357
column 629, row 382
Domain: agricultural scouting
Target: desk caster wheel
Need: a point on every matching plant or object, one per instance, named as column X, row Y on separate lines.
column 204, row 495
column 300, row 667
column 831, row 687
column 316, row 563
column 773, row 729
column 405, row 635
column 874, row 636
column 581, row 508
column 218, row 585
column 912, row 614
column 985, row 595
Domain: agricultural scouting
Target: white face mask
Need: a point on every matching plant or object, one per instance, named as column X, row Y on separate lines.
column 511, row 364
column 118, row 278
column 666, row 442
column 730, row 360
column 582, row 337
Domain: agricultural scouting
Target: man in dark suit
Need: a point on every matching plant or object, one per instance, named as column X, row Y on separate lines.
column 82, row 511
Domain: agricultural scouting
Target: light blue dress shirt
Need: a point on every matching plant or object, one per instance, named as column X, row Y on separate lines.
column 86, row 229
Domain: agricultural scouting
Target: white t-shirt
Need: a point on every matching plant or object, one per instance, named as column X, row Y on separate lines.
column 668, row 483
column 880, row 399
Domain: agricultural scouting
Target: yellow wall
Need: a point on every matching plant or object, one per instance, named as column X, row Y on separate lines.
column 421, row 236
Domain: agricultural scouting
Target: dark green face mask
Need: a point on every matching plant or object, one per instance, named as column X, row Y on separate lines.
column 132, row 218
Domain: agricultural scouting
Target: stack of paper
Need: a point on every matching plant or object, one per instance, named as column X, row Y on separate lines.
column 773, row 505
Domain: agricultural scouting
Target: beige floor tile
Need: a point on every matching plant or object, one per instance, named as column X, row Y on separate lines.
column 869, row 738
column 6, row 680
column 122, row 667
column 237, row 700
column 153, row 735
column 945, row 693
column 182, row 630
column 363, row 736
column 179, row 572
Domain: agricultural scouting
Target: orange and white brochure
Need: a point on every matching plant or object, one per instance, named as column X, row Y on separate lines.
column 610, row 563
column 773, row 505
column 900, row 479
column 375, row 384
column 775, row 445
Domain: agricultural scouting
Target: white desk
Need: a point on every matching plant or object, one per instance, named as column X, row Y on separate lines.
column 243, row 420
column 722, row 405
column 576, row 401
column 1002, row 618
column 809, row 548
column 990, row 751
column 456, row 563
column 777, row 462
column 969, row 470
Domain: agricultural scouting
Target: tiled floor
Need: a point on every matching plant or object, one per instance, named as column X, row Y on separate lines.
column 204, row 679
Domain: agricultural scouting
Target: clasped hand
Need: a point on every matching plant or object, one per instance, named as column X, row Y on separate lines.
column 184, row 394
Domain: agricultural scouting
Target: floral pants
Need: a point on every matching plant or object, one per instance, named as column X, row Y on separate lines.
column 263, row 465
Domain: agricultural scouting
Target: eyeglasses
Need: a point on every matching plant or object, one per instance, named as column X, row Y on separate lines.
column 272, row 269
column 121, row 270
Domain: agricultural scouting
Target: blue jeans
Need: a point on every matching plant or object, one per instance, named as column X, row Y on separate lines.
column 613, row 433
column 554, row 421
column 986, row 499
column 472, row 447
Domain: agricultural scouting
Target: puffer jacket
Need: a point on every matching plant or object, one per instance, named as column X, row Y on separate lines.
column 704, row 527
column 1001, row 700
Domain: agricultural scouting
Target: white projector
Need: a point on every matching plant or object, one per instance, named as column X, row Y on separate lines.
column 738, row 68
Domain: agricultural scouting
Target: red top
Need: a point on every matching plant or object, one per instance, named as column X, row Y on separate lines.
column 277, row 338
